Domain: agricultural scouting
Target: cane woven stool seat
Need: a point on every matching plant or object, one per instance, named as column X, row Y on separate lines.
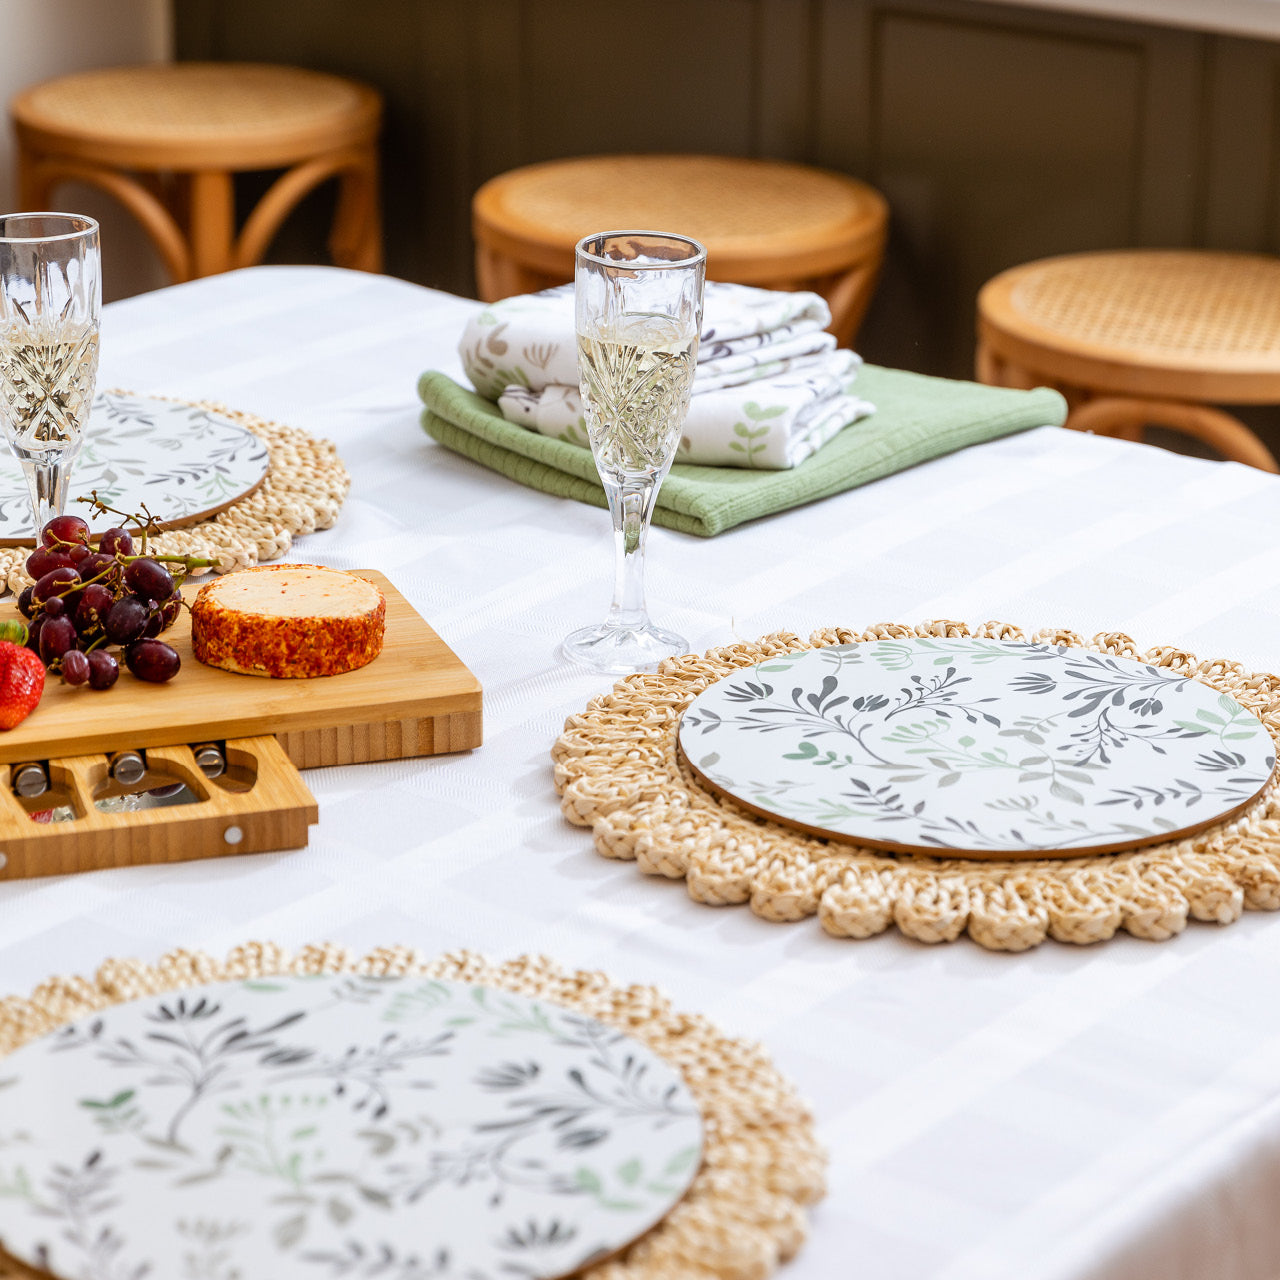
column 764, row 222
column 1138, row 338
column 166, row 141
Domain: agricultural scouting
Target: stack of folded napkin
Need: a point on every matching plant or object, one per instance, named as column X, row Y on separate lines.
column 770, row 387
column 521, row 355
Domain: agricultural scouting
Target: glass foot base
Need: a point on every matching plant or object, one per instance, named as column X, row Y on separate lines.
column 619, row 650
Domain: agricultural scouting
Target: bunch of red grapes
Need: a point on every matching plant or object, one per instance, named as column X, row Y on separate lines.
column 85, row 599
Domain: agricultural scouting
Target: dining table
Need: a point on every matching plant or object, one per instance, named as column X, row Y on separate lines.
column 1102, row 1112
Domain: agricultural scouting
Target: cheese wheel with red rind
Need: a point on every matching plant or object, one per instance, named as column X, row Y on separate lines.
column 288, row 621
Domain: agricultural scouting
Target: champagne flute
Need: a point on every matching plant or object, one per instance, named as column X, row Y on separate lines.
column 50, row 303
column 639, row 312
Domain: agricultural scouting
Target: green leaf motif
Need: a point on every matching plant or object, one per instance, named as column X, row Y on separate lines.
column 406, row 1006
column 682, row 1160
column 118, row 1101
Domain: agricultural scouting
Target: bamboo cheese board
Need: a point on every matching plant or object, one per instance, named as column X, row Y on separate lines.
column 415, row 699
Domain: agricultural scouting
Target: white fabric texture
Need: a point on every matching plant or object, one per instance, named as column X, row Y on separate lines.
column 769, row 389
column 1101, row 1113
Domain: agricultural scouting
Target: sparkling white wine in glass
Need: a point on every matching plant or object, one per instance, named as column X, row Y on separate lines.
column 638, row 304
column 50, row 300
column 636, row 374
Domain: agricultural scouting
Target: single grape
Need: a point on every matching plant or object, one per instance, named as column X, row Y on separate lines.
column 105, row 568
column 149, row 579
column 104, row 670
column 55, row 582
column 152, row 660
column 75, row 667
column 95, row 601
column 25, row 605
column 64, row 531
column 56, row 637
column 116, row 542
column 125, row 620
column 78, row 553
column 170, row 608
column 155, row 621
column 55, row 607
column 33, row 633
column 41, row 560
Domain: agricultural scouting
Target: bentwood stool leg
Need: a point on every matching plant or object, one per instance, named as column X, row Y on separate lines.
column 499, row 276
column 1126, row 418
column 988, row 368
column 212, row 229
column 849, row 296
column 994, row 370
column 356, row 239
column 33, row 185
column 38, row 178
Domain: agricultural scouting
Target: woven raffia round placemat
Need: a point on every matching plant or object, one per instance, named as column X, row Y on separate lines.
column 743, row 1213
column 618, row 771
column 303, row 491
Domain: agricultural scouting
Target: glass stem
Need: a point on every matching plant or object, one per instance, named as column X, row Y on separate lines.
column 47, row 482
column 631, row 500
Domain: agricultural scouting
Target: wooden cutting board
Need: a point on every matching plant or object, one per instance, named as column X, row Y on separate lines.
column 415, row 699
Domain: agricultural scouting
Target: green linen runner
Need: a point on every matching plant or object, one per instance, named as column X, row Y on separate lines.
column 916, row 418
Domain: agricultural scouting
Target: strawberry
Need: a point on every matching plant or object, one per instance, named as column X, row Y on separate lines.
column 21, row 683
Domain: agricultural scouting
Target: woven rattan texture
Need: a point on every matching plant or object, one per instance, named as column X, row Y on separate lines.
column 743, row 1214
column 303, row 491
column 618, row 771
column 1204, row 304
column 717, row 198
column 190, row 101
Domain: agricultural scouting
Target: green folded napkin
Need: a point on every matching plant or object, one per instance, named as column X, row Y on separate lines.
column 916, row 418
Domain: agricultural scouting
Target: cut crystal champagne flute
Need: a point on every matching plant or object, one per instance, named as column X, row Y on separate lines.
column 50, row 304
column 639, row 312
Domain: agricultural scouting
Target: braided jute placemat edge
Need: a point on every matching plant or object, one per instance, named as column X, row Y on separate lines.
column 744, row 1213
column 304, row 489
column 618, row 772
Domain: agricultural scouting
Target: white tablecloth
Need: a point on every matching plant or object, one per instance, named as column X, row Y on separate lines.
column 1110, row 1113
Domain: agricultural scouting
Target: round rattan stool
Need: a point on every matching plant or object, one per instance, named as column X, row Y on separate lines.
column 1138, row 338
column 167, row 140
column 764, row 222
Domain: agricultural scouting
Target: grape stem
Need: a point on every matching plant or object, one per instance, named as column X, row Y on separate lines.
column 143, row 524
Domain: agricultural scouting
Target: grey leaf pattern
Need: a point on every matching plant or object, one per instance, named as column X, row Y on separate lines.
column 403, row 1129
column 178, row 460
column 979, row 745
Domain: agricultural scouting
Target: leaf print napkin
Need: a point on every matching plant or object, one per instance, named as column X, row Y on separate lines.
column 770, row 387
column 917, row 418
column 770, row 424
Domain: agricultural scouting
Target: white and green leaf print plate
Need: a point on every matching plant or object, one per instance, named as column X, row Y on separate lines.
column 987, row 748
column 182, row 462
column 309, row 1128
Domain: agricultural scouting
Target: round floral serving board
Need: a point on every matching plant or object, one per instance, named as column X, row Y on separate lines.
column 182, row 462
column 293, row 1128
column 976, row 747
